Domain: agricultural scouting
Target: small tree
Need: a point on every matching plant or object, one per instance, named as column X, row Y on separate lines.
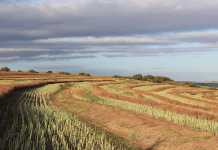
column 49, row 71
column 117, row 76
column 84, row 74
column 33, row 71
column 65, row 73
column 148, row 78
column 5, row 69
column 137, row 76
column 157, row 79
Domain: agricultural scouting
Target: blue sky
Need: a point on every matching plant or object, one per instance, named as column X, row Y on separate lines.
column 194, row 66
column 176, row 38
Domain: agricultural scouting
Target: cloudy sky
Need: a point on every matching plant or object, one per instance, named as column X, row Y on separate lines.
column 177, row 38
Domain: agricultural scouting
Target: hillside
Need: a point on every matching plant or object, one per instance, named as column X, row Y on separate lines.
column 59, row 111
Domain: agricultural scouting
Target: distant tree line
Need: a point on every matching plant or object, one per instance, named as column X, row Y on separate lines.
column 84, row 74
column 64, row 73
column 49, row 71
column 5, row 69
column 157, row 79
column 33, row 71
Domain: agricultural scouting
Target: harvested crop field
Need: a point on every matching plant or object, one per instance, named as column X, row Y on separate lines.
column 105, row 113
column 149, row 115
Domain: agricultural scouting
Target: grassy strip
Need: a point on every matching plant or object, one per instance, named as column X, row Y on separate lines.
column 28, row 123
column 180, row 119
column 118, row 90
column 184, row 100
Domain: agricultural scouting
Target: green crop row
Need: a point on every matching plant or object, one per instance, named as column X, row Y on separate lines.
column 28, row 123
column 180, row 119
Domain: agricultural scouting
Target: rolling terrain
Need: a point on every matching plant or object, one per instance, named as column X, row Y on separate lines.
column 56, row 111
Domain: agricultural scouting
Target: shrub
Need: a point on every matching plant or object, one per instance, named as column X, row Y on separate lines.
column 160, row 79
column 84, row 74
column 157, row 79
column 33, row 71
column 138, row 77
column 118, row 76
column 49, row 71
column 5, row 69
column 65, row 73
column 190, row 84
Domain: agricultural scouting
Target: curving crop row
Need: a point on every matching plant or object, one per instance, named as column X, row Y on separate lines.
column 180, row 119
column 28, row 123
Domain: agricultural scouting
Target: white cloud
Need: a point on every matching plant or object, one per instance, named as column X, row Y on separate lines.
column 58, row 25
column 207, row 37
column 104, row 40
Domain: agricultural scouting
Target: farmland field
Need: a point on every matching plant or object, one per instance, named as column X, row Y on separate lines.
column 41, row 111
